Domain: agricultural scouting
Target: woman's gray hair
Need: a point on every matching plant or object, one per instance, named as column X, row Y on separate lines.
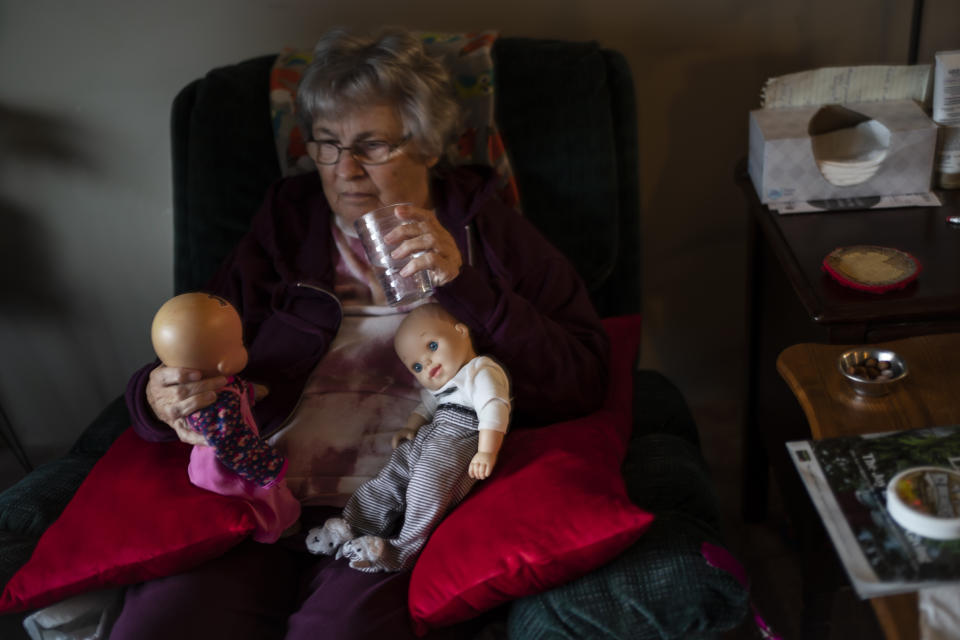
column 350, row 71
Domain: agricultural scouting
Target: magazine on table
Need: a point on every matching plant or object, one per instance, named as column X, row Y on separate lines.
column 847, row 479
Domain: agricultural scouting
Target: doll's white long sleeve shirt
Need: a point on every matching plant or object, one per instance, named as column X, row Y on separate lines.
column 482, row 385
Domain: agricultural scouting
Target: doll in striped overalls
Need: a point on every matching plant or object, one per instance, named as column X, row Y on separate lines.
column 450, row 441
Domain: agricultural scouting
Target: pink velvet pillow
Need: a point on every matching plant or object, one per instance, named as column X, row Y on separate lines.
column 135, row 517
column 555, row 508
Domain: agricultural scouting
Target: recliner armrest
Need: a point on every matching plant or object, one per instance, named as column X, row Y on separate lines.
column 662, row 587
column 30, row 506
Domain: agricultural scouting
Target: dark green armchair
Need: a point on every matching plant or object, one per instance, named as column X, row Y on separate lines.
column 568, row 118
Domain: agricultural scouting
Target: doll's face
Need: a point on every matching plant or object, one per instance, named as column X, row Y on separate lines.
column 434, row 349
column 200, row 331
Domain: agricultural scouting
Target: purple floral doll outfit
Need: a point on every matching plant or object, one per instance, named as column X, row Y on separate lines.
column 239, row 463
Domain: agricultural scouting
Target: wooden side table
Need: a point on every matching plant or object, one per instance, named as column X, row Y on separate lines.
column 927, row 397
column 790, row 300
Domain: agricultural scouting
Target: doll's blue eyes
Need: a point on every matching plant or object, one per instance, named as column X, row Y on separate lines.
column 433, row 346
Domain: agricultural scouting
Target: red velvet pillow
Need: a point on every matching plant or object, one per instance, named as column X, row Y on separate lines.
column 118, row 531
column 555, row 508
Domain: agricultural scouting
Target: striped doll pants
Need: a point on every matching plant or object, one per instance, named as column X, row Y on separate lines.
column 423, row 480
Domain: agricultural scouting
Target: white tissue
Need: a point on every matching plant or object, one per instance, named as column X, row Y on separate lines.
column 88, row 616
column 939, row 609
column 851, row 155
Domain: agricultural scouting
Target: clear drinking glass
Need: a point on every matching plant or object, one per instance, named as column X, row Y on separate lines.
column 372, row 227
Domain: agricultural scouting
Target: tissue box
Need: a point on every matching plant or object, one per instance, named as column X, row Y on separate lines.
column 783, row 167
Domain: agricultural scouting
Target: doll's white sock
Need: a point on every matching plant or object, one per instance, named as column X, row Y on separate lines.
column 326, row 540
column 364, row 552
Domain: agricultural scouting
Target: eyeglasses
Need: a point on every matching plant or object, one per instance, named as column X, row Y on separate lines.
column 367, row 152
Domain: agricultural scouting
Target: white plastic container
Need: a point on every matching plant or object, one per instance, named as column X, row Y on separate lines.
column 946, row 87
column 946, row 113
column 926, row 500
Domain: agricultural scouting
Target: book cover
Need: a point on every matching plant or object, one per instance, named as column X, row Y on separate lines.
column 847, row 479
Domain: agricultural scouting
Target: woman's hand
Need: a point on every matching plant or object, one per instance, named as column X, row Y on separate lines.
column 260, row 392
column 403, row 434
column 409, row 430
column 425, row 236
column 175, row 393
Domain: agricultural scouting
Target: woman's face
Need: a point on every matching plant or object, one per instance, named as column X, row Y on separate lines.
column 353, row 189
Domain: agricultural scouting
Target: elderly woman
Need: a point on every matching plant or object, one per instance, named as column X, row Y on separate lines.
column 378, row 114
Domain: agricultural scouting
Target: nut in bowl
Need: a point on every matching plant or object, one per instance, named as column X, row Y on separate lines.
column 872, row 372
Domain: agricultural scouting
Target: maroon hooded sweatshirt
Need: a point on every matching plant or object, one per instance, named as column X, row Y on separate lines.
column 523, row 301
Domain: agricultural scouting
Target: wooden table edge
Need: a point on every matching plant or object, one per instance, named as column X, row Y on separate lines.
column 897, row 614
